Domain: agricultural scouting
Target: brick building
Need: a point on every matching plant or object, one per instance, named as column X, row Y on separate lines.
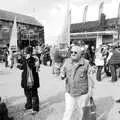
column 30, row 31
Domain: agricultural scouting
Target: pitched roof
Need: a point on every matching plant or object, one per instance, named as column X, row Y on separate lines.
column 9, row 16
column 91, row 25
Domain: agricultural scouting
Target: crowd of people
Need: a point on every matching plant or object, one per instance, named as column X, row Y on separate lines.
column 108, row 57
column 105, row 57
column 74, row 67
column 77, row 69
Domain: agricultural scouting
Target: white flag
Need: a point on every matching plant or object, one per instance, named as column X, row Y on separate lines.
column 100, row 10
column 67, row 32
column 13, row 38
column 119, row 11
column 85, row 13
column 118, row 21
column 65, row 35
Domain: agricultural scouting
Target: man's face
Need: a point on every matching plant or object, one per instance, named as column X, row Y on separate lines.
column 75, row 53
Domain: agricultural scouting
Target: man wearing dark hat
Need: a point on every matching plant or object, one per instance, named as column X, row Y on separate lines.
column 30, row 79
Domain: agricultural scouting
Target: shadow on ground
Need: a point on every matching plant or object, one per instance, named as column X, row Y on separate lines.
column 53, row 109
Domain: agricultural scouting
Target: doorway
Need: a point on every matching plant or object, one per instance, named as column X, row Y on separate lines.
column 90, row 42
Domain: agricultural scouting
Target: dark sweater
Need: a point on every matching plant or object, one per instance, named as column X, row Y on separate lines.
column 115, row 58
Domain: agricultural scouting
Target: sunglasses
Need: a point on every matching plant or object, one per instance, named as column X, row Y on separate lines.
column 74, row 52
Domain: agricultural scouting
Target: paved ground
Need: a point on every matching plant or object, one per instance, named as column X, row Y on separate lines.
column 51, row 95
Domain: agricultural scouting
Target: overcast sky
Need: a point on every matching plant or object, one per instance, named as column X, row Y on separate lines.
column 51, row 12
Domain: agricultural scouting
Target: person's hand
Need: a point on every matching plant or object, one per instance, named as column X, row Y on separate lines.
column 62, row 74
column 19, row 57
column 19, row 66
column 28, row 56
column 93, row 70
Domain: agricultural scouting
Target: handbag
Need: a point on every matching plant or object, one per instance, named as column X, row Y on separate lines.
column 89, row 111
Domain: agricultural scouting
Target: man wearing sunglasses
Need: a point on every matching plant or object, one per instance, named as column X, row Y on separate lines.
column 78, row 88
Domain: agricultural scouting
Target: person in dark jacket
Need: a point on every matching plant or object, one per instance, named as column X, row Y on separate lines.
column 106, row 66
column 30, row 79
column 114, row 61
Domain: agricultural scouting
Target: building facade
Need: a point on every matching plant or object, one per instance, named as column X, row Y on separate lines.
column 104, row 31
column 30, row 31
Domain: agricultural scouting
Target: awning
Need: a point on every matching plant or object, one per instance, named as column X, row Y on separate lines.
column 88, row 35
column 95, row 33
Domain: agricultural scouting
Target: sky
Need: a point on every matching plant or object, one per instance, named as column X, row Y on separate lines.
column 51, row 13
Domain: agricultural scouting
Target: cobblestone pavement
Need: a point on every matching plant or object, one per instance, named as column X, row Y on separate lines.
column 51, row 95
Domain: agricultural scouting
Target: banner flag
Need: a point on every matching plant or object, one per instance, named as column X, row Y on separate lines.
column 100, row 10
column 118, row 21
column 119, row 11
column 85, row 13
column 65, row 34
column 13, row 38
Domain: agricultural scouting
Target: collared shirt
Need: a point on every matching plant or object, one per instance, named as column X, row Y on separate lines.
column 76, row 75
column 99, row 59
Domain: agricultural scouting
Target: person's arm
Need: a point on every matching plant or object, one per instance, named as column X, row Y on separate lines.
column 20, row 62
column 31, row 62
column 63, row 71
column 37, row 63
column 108, row 58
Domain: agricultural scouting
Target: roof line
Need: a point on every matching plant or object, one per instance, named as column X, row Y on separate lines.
column 93, row 21
column 21, row 18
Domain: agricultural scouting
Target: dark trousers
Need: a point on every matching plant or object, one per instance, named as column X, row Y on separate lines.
column 4, row 112
column 106, row 69
column 98, row 75
column 32, row 98
column 6, row 63
column 113, row 69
